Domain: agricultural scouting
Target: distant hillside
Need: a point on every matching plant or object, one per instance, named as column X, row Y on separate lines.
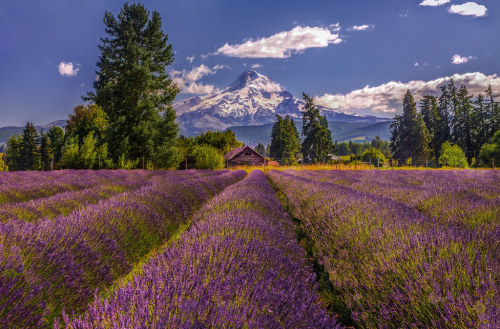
column 341, row 131
column 7, row 132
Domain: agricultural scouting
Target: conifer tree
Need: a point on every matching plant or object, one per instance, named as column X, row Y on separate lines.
column 28, row 153
column 410, row 137
column 134, row 89
column 285, row 140
column 317, row 143
column 45, row 152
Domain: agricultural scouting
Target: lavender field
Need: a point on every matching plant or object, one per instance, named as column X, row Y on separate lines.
column 221, row 249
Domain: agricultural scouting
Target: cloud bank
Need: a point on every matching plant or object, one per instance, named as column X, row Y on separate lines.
column 68, row 69
column 283, row 44
column 387, row 98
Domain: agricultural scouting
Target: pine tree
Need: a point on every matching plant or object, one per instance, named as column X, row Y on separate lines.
column 317, row 144
column 134, row 89
column 28, row 152
column 410, row 137
column 56, row 138
column 45, row 152
column 261, row 149
column 429, row 111
column 285, row 140
column 493, row 110
column 442, row 128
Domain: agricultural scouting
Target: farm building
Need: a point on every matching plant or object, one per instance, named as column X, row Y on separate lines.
column 243, row 156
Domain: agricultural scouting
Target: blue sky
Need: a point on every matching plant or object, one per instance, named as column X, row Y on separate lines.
column 354, row 55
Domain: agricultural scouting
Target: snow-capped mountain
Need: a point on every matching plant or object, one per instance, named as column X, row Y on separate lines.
column 253, row 99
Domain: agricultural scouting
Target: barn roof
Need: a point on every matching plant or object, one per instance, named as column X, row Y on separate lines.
column 235, row 152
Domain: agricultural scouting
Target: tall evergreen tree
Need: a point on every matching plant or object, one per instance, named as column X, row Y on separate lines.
column 442, row 128
column 56, row 138
column 429, row 111
column 45, row 152
column 133, row 87
column 28, row 153
column 462, row 123
column 285, row 140
column 317, row 143
column 493, row 110
column 410, row 137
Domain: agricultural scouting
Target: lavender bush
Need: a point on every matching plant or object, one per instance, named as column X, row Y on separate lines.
column 239, row 266
column 51, row 264
column 393, row 266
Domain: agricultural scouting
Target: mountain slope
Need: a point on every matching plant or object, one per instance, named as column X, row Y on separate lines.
column 341, row 131
column 252, row 99
column 7, row 132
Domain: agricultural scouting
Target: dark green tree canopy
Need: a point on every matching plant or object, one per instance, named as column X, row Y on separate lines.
column 133, row 87
column 317, row 143
column 285, row 141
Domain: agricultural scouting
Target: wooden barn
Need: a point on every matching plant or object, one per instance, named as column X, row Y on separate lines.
column 243, row 156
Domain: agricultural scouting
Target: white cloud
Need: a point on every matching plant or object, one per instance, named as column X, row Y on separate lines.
column 469, row 9
column 220, row 67
column 387, row 98
column 282, row 44
column 334, row 27
column 68, row 69
column 433, row 3
column 361, row 27
column 190, row 59
column 187, row 81
column 457, row 59
column 256, row 66
column 416, row 64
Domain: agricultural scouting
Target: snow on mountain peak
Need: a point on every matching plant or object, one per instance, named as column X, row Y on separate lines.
column 253, row 79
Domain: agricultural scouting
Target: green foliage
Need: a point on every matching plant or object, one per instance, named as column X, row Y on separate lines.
column 28, row 152
column 86, row 119
column 133, row 88
column 124, row 163
column 261, row 149
column 207, row 157
column 223, row 141
column 88, row 151
column 12, row 155
column 70, row 153
column 285, row 142
column 45, row 152
column 452, row 156
column 317, row 143
column 372, row 155
column 56, row 138
column 167, row 157
column 410, row 137
column 491, row 152
column 3, row 166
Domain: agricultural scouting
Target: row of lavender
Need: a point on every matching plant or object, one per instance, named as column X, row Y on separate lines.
column 469, row 198
column 390, row 264
column 85, row 187
column 51, row 264
column 87, row 190
column 25, row 186
column 239, row 266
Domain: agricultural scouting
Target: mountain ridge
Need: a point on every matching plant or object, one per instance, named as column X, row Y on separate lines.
column 251, row 100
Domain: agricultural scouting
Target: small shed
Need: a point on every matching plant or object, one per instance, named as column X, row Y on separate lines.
column 243, row 156
column 272, row 163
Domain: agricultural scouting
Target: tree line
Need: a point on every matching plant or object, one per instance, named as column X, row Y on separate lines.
column 287, row 147
column 454, row 128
